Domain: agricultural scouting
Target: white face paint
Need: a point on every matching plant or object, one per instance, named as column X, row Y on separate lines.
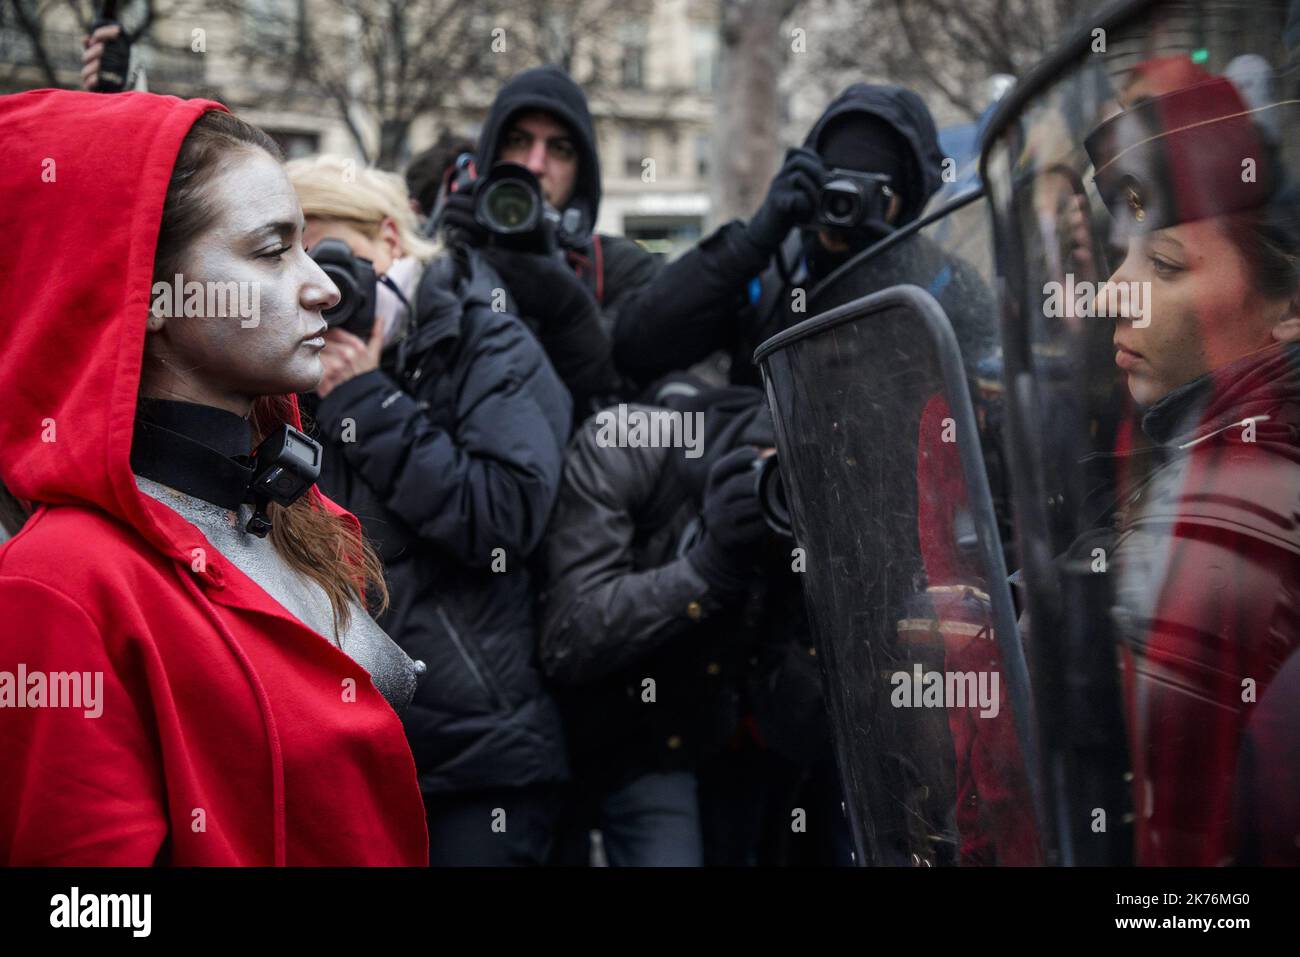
column 255, row 238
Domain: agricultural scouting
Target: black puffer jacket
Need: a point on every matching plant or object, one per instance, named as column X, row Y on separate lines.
column 726, row 294
column 450, row 455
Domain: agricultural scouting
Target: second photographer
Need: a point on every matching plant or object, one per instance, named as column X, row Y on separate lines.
column 573, row 283
column 444, row 428
column 868, row 166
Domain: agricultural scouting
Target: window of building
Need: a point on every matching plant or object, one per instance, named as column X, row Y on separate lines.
column 704, row 48
column 703, row 155
column 632, row 65
column 634, row 151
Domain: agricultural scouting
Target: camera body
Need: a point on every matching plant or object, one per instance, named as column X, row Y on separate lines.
column 285, row 466
column 356, row 281
column 507, row 201
column 849, row 198
column 115, row 62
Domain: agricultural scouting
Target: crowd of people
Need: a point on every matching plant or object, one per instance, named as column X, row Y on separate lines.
column 582, row 639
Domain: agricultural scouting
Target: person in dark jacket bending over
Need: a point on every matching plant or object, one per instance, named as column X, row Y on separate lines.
column 444, row 432
column 650, row 553
column 733, row 290
column 540, row 120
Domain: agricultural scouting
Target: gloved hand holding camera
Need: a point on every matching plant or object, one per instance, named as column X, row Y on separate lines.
column 503, row 206
column 544, row 287
column 456, row 219
column 791, row 199
column 733, row 521
column 850, row 203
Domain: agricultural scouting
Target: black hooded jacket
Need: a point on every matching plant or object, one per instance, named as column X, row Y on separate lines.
column 725, row 294
column 450, row 454
column 614, row 268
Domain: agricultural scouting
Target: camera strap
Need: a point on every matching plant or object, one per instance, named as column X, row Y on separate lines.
column 589, row 268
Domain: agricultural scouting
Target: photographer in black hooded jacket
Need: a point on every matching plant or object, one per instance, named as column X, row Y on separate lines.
column 444, row 431
column 734, row 290
column 540, row 120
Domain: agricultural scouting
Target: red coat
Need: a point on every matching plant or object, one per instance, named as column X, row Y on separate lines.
column 994, row 813
column 225, row 737
column 1208, row 580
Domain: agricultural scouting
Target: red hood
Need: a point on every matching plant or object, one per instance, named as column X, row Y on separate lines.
column 83, row 186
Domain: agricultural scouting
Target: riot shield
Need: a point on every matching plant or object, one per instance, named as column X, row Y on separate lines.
column 1143, row 184
column 948, row 254
column 905, row 583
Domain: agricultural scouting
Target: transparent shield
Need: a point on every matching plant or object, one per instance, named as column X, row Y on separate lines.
column 905, row 584
column 1144, row 195
column 950, row 256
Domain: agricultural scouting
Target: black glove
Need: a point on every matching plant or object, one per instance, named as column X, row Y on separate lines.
column 791, row 199
column 457, row 222
column 544, row 287
column 567, row 320
column 733, row 521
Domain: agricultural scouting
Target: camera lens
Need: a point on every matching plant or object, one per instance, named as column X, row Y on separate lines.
column 509, row 206
column 771, row 497
column 349, row 294
column 841, row 204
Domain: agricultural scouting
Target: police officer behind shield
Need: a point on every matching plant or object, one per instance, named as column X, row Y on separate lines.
column 1206, row 557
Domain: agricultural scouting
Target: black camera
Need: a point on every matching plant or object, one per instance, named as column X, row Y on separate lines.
column 771, row 496
column 509, row 204
column 115, row 61
column 356, row 281
column 850, row 198
column 284, row 467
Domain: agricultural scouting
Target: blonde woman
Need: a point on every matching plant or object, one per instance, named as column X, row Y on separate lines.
column 444, row 428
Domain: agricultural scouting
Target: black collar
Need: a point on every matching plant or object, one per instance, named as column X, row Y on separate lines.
column 196, row 449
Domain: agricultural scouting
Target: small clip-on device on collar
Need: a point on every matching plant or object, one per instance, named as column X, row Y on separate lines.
column 283, row 468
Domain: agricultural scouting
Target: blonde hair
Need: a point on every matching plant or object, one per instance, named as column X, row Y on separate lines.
column 333, row 187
